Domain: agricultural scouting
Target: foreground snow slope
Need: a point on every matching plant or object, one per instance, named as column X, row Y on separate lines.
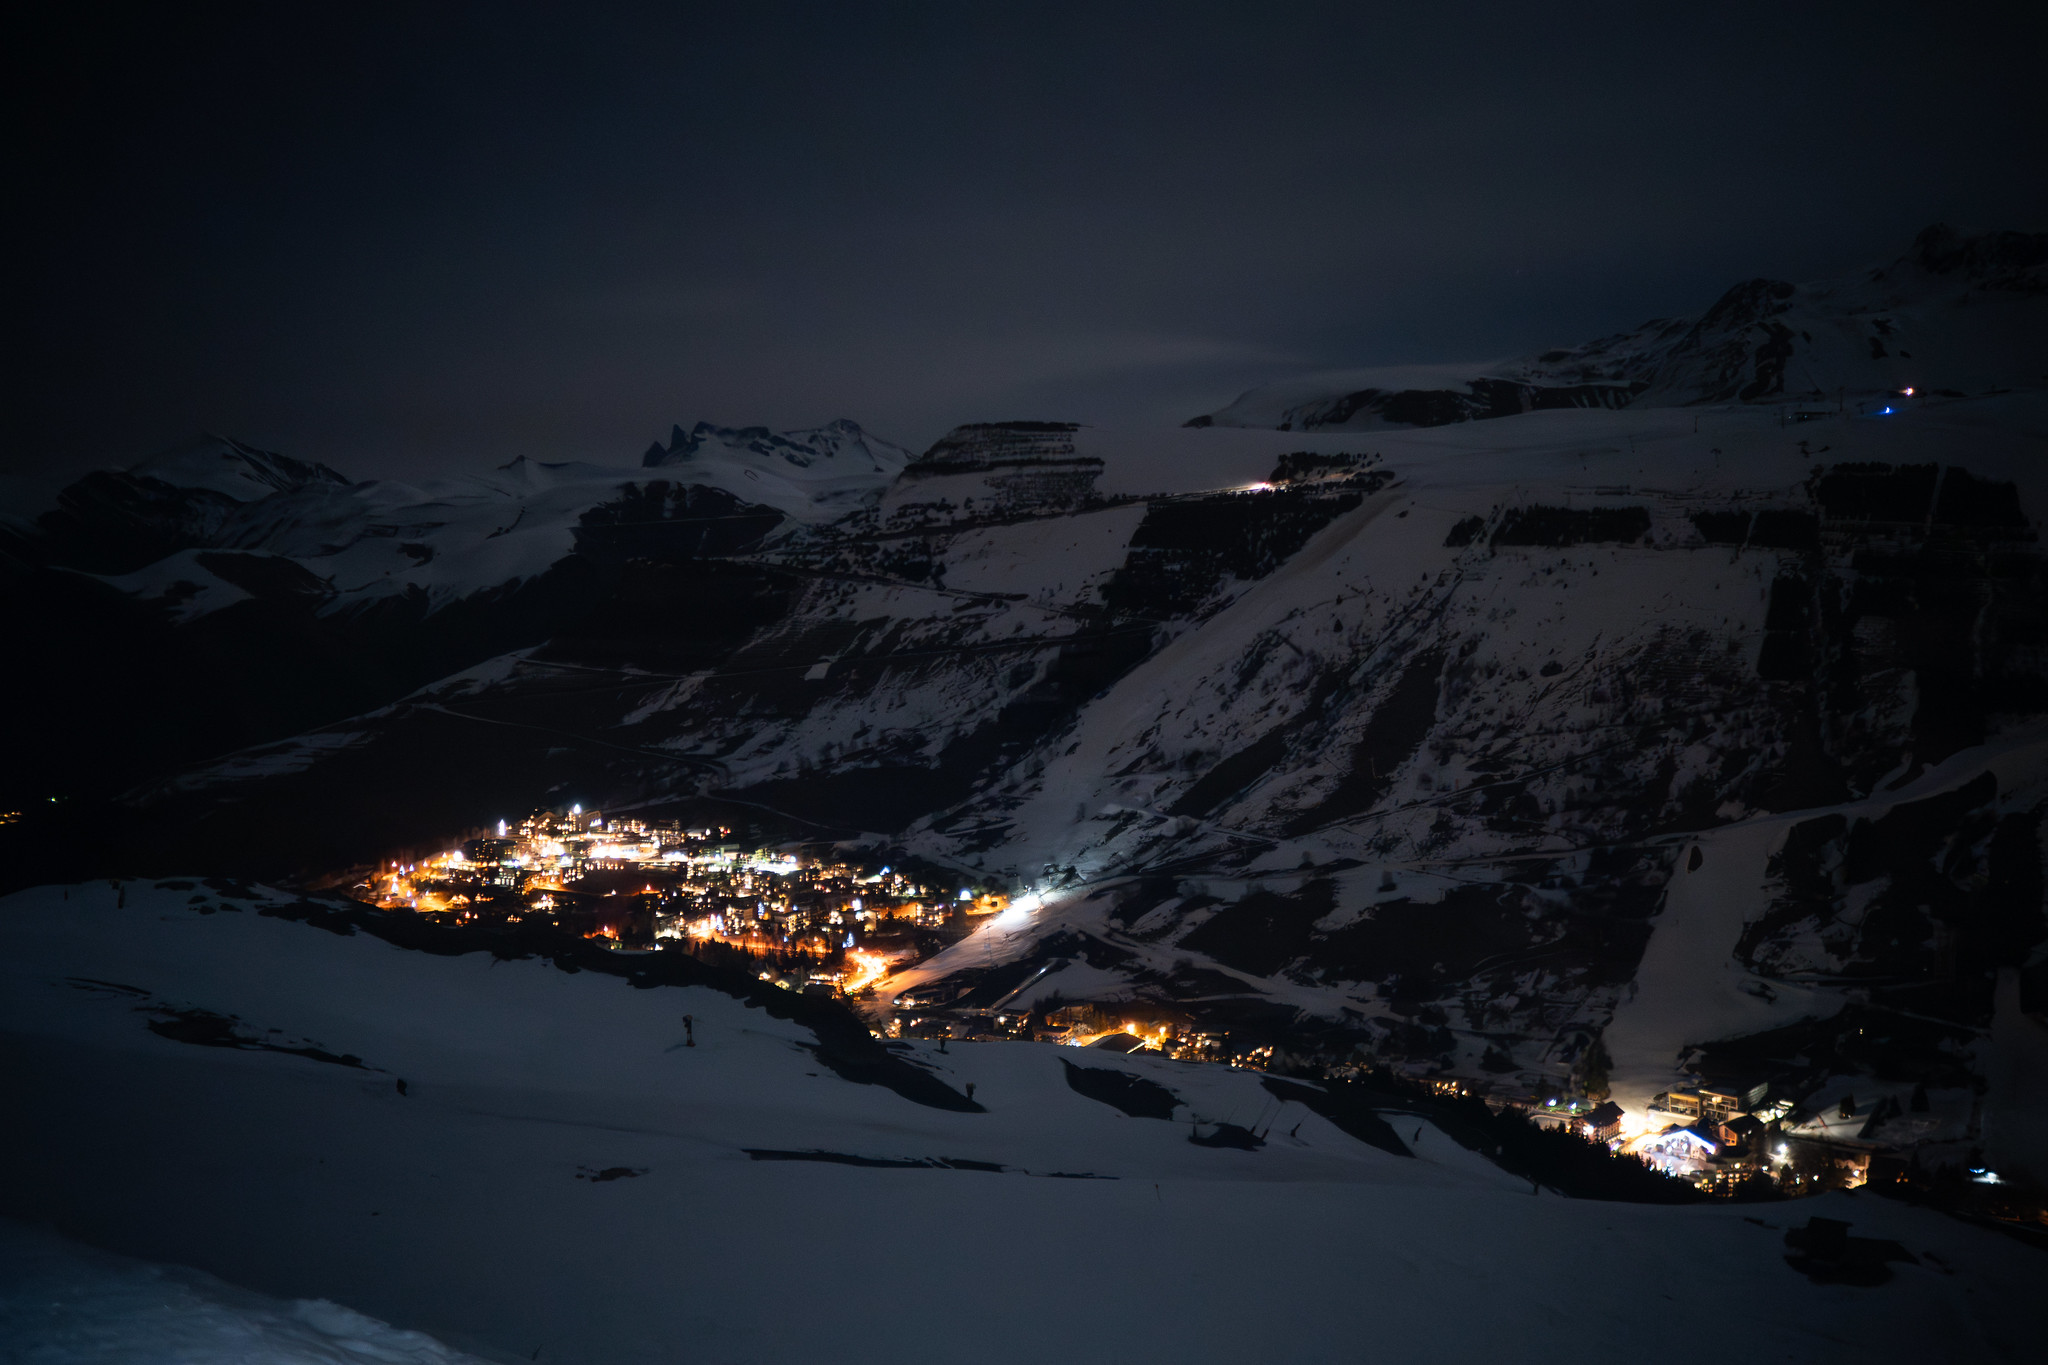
column 64, row 1304
column 561, row 1180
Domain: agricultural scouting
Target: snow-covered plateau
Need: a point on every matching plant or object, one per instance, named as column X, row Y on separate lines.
column 427, row 1157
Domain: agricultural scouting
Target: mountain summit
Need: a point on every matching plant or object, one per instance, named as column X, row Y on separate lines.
column 233, row 470
column 810, row 475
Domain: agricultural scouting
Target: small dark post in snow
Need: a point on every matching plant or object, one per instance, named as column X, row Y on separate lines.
column 401, row 1085
column 689, row 1031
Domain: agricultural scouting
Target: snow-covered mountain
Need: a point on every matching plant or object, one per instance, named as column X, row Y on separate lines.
column 811, row 476
column 1643, row 742
column 189, row 495
column 1955, row 314
column 227, row 512
column 231, row 470
column 320, row 597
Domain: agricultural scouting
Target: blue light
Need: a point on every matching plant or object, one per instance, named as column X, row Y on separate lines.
column 1884, row 412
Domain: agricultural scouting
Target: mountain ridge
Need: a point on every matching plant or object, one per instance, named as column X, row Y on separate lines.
column 1762, row 341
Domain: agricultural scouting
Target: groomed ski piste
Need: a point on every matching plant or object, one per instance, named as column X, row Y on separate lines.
column 201, row 1089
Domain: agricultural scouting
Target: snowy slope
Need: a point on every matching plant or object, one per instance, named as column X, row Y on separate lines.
column 65, row 1304
column 1589, row 717
column 1956, row 313
column 561, row 1180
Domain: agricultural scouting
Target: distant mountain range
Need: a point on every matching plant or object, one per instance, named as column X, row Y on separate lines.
column 1955, row 314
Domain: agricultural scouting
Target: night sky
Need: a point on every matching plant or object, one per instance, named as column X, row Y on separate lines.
column 420, row 239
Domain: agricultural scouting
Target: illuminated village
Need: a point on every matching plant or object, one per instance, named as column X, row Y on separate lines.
column 797, row 922
column 638, row 886
column 833, row 928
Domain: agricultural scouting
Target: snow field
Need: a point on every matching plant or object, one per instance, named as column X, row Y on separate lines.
column 64, row 1304
column 466, row 1208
